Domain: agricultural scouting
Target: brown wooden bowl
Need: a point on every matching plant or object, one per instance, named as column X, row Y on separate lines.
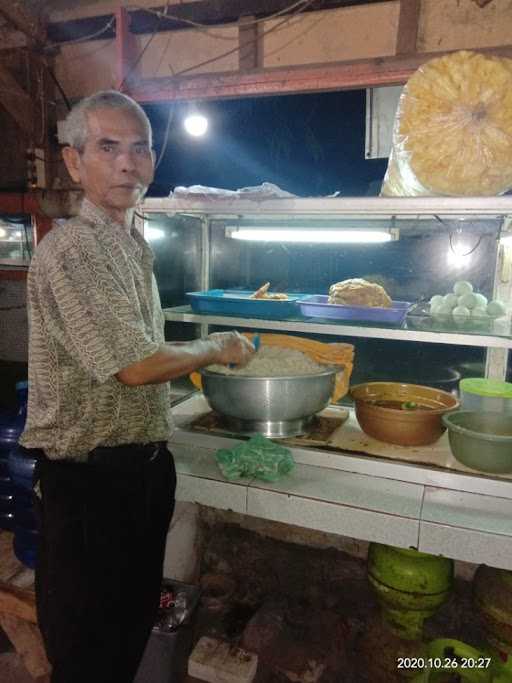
column 382, row 412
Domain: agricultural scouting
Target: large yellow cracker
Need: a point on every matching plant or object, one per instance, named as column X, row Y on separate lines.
column 453, row 130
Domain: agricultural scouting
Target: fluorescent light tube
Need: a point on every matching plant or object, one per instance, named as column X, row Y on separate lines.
column 314, row 235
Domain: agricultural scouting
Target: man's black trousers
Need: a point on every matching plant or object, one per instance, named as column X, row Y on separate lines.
column 103, row 527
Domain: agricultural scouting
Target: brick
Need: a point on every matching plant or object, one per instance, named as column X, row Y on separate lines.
column 263, row 629
column 217, row 661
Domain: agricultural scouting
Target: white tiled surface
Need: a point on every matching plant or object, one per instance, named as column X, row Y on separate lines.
column 313, row 497
column 201, row 481
column 468, row 510
column 199, row 462
column 352, row 490
column 464, row 526
column 333, row 518
column 466, row 545
column 216, row 494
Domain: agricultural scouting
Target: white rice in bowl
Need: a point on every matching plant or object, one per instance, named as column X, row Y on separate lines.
column 273, row 361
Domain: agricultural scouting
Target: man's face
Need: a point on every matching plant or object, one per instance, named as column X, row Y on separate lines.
column 116, row 165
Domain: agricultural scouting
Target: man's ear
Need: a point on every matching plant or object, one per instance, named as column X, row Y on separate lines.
column 71, row 158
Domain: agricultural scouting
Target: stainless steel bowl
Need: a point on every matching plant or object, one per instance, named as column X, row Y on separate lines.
column 273, row 406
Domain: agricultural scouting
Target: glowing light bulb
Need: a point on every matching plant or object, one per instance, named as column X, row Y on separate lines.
column 459, row 257
column 196, row 125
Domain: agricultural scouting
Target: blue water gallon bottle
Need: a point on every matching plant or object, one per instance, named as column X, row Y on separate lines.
column 21, row 471
column 11, row 426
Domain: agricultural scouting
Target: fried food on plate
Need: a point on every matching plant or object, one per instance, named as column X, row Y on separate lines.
column 359, row 292
column 263, row 293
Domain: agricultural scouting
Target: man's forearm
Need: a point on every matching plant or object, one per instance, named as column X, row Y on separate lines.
column 170, row 361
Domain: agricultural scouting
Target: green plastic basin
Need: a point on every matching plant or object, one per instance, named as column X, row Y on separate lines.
column 482, row 441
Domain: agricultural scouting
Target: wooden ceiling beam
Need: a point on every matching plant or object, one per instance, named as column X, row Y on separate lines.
column 201, row 11
column 24, row 21
column 16, row 101
column 41, row 203
column 359, row 74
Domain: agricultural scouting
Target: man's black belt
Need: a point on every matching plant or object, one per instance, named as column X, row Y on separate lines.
column 130, row 455
column 125, row 455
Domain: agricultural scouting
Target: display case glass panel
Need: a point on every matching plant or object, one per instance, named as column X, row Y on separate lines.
column 16, row 241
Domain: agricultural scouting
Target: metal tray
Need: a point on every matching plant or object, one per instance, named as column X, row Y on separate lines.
column 238, row 302
column 317, row 306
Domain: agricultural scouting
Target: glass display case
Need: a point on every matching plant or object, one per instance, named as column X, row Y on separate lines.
column 415, row 247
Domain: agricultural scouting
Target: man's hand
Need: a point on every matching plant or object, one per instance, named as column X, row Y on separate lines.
column 181, row 358
column 231, row 347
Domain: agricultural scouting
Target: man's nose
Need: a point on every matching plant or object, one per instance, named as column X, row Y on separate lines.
column 126, row 161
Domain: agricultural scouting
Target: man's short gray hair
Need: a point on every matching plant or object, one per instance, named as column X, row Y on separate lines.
column 74, row 130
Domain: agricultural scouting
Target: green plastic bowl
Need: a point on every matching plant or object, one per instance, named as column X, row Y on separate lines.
column 482, row 441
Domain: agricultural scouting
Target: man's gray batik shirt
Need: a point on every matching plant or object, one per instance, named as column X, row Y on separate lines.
column 93, row 309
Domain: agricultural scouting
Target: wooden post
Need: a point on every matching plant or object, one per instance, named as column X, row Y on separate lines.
column 408, row 21
column 125, row 49
column 249, row 56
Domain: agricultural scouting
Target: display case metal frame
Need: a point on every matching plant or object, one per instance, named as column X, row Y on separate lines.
column 208, row 209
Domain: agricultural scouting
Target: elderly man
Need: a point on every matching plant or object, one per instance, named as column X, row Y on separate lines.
column 98, row 413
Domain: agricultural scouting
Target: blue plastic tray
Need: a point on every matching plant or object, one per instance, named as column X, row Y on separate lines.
column 317, row 306
column 237, row 302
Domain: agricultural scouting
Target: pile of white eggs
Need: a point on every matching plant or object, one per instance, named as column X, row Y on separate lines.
column 463, row 304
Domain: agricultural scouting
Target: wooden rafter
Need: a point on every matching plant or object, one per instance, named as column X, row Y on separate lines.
column 16, row 100
column 22, row 20
column 358, row 74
